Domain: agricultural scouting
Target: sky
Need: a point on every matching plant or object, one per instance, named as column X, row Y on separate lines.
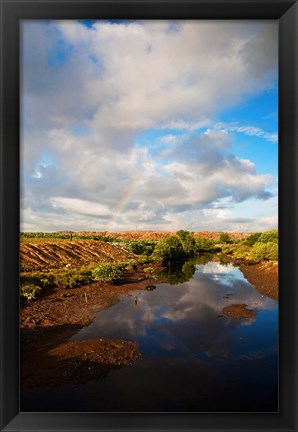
column 149, row 125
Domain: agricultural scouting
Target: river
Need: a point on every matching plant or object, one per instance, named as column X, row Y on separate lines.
column 195, row 358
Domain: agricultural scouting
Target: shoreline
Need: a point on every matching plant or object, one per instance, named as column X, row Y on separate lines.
column 48, row 358
column 47, row 324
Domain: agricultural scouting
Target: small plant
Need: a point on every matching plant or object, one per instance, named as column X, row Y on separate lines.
column 148, row 270
column 72, row 278
column 30, row 292
column 106, row 273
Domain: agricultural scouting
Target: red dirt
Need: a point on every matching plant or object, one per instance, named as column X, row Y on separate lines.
column 264, row 277
column 43, row 256
column 238, row 311
column 47, row 356
column 158, row 235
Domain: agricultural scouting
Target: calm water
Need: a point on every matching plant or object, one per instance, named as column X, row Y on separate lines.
column 193, row 357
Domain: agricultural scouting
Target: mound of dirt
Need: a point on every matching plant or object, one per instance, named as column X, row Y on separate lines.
column 74, row 363
column 57, row 254
column 238, row 311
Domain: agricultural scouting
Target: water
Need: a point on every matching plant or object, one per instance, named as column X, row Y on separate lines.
column 194, row 358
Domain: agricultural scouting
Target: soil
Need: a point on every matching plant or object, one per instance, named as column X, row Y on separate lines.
column 45, row 255
column 263, row 276
column 48, row 358
column 238, row 311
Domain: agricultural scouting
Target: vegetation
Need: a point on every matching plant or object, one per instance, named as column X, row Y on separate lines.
column 169, row 249
column 257, row 247
column 142, row 247
column 264, row 251
column 106, row 273
column 269, row 237
column 188, row 242
column 204, row 244
column 68, row 236
column 225, row 238
column 252, row 239
column 30, row 292
column 178, row 274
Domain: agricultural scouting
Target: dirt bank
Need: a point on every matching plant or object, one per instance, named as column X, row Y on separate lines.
column 47, row 356
column 238, row 311
column 264, row 276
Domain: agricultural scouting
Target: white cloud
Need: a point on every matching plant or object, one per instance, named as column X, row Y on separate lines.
column 118, row 81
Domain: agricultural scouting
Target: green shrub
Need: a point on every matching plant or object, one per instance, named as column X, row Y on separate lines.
column 264, row 251
column 241, row 251
column 44, row 280
column 188, row 242
column 145, row 259
column 169, row 249
column 272, row 251
column 72, row 278
column 106, row 273
column 204, row 244
column 142, row 247
column 148, row 270
column 30, row 292
column 269, row 236
column 252, row 239
column 225, row 238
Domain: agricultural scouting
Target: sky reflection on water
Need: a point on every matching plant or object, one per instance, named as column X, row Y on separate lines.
column 185, row 319
column 194, row 358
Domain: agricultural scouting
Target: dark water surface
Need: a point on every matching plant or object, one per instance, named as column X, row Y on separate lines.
column 194, row 358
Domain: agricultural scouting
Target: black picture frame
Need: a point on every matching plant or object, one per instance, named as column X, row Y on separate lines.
column 286, row 11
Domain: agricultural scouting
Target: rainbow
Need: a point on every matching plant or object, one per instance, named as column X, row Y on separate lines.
column 122, row 203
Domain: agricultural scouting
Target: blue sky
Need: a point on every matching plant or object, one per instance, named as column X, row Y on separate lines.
column 150, row 124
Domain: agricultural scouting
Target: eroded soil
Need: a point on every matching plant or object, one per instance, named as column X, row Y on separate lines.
column 48, row 358
column 238, row 311
column 263, row 276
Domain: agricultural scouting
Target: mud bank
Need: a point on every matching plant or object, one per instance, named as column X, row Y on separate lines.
column 263, row 276
column 48, row 358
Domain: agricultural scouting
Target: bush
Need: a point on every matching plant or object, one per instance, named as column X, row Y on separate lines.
column 241, row 251
column 204, row 244
column 106, row 273
column 225, row 238
column 30, row 292
column 148, row 270
column 269, row 237
column 188, row 242
column 264, row 251
column 142, row 247
column 72, row 278
column 252, row 239
column 169, row 249
column 272, row 251
column 44, row 280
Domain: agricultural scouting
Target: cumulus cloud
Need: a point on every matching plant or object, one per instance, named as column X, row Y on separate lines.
column 87, row 94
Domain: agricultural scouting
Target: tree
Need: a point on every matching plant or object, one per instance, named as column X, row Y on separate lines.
column 169, row 249
column 269, row 236
column 252, row 239
column 225, row 238
column 204, row 244
column 188, row 241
